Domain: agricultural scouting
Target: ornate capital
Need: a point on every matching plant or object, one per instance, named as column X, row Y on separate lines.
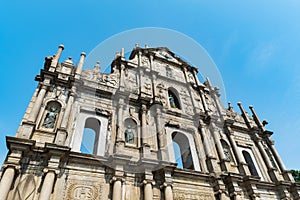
column 144, row 108
column 166, row 184
column 122, row 67
column 48, row 170
column 17, row 168
column 44, row 86
column 117, row 178
column 201, row 124
column 146, row 181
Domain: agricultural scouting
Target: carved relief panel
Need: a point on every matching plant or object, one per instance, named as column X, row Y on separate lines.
column 145, row 61
column 192, row 195
column 131, row 81
column 146, row 86
column 186, row 101
column 161, row 93
column 84, row 190
column 111, row 80
column 210, row 104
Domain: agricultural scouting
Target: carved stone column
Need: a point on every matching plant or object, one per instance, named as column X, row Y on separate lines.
column 62, row 133
column 148, row 190
column 272, row 171
column 224, row 196
column 145, row 136
column 6, row 181
column 117, row 188
column 196, row 109
column 37, row 104
column 207, row 147
column 53, row 169
column 120, row 136
column 161, row 136
column 286, row 174
column 168, row 191
column 240, row 159
column 203, row 100
column 147, row 183
column 217, row 140
column 79, row 67
column 122, row 77
column 47, row 185
column 28, row 126
column 211, row 161
column 56, row 58
column 65, row 120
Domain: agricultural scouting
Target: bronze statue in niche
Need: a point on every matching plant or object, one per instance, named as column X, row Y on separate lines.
column 51, row 116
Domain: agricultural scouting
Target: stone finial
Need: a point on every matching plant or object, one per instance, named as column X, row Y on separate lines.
column 56, row 58
column 117, row 54
column 80, row 64
column 146, row 46
column 230, row 107
column 136, row 45
column 69, row 61
column 208, row 82
column 122, row 53
column 61, row 46
column 256, row 119
column 97, row 66
column 245, row 115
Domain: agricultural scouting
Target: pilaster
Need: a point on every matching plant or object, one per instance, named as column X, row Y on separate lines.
column 211, row 160
column 148, row 183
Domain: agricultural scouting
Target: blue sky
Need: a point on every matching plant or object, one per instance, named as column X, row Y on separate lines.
column 255, row 44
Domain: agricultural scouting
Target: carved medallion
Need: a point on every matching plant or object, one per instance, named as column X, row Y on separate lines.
column 82, row 192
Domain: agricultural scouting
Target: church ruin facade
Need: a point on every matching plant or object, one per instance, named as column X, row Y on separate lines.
column 149, row 129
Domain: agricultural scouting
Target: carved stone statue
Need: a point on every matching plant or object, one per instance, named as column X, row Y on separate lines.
column 50, row 118
column 227, row 154
column 129, row 135
column 172, row 101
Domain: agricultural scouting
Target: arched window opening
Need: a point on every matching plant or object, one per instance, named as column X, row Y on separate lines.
column 130, row 133
column 250, row 163
column 51, row 115
column 226, row 151
column 177, row 154
column 90, row 138
column 173, row 100
column 88, row 141
column 182, row 151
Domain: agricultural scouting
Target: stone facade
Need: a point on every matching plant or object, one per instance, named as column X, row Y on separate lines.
column 148, row 130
